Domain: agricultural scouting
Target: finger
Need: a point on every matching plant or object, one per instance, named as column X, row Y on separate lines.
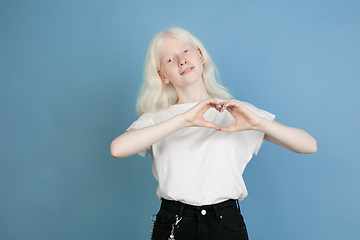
column 215, row 104
column 205, row 108
column 208, row 103
column 233, row 104
column 229, row 129
column 229, row 101
column 221, row 109
column 200, row 106
column 218, row 106
column 225, row 105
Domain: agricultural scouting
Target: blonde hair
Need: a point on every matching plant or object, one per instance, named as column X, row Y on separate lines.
column 154, row 93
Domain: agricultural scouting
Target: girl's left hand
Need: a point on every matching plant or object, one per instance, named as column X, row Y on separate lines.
column 294, row 139
column 244, row 118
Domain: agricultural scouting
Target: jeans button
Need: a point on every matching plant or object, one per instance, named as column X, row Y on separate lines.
column 203, row 212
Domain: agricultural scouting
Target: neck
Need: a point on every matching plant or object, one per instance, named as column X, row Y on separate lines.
column 192, row 93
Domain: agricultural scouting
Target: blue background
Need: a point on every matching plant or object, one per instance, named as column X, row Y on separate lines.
column 70, row 73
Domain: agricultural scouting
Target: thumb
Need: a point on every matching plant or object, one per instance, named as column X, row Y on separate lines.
column 228, row 129
column 210, row 125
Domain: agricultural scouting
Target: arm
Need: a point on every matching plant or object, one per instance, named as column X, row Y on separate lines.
column 293, row 139
column 135, row 140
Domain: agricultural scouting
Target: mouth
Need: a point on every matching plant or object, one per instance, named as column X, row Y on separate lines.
column 186, row 70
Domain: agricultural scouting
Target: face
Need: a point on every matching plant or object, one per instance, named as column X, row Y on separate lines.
column 180, row 63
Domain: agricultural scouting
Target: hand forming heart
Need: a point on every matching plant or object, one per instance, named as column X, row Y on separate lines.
column 244, row 118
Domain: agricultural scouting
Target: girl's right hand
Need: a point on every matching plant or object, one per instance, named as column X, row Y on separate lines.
column 195, row 115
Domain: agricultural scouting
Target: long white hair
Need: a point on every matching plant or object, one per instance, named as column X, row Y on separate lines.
column 155, row 94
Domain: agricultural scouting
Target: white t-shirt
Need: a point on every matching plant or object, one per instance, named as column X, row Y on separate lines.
column 198, row 165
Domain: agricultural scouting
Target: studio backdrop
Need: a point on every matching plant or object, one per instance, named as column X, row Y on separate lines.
column 70, row 73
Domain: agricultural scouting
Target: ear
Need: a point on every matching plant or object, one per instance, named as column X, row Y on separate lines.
column 201, row 56
column 163, row 78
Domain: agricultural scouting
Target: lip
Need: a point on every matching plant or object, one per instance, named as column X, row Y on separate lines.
column 189, row 68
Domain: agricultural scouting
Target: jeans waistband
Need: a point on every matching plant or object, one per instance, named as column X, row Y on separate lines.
column 196, row 212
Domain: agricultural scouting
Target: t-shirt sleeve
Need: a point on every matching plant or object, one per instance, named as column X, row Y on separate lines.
column 257, row 136
column 143, row 121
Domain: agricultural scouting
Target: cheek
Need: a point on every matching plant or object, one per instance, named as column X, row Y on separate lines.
column 164, row 70
column 168, row 72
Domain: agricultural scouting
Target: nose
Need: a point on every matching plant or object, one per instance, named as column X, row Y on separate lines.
column 182, row 62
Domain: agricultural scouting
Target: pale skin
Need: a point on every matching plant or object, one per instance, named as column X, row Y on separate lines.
column 176, row 57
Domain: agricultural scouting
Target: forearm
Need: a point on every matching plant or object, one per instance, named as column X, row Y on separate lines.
column 293, row 139
column 134, row 141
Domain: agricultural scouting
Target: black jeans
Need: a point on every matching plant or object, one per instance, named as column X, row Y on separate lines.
column 222, row 221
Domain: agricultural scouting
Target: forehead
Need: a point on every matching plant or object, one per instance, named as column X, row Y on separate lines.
column 171, row 45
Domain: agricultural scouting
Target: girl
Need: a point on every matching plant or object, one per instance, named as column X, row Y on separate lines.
column 200, row 141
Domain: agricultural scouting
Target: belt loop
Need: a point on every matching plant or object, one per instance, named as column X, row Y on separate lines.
column 216, row 212
column 181, row 211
